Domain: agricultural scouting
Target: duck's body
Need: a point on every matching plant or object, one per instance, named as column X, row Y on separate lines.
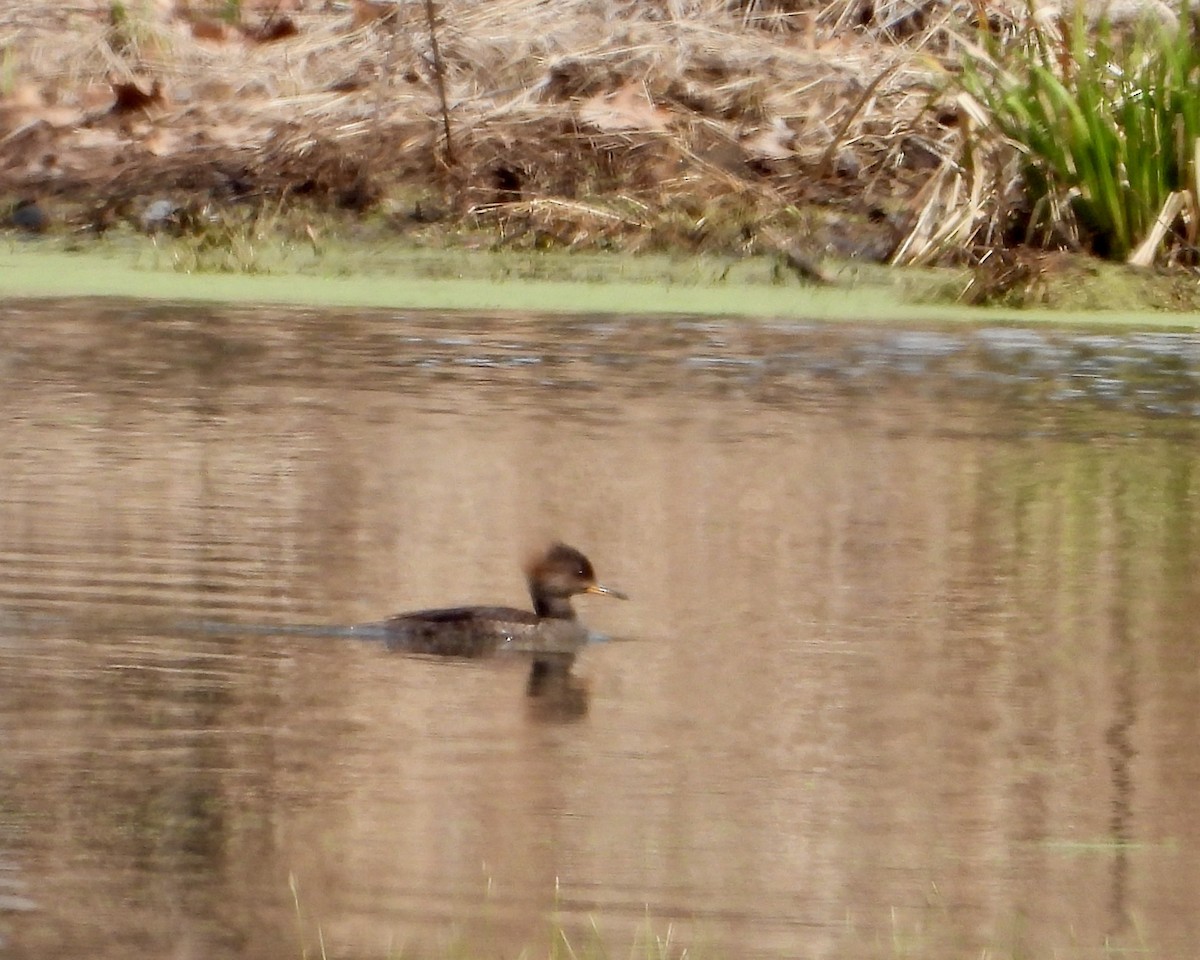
column 550, row 633
column 481, row 631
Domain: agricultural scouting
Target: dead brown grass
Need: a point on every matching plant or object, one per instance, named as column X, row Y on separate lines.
column 576, row 122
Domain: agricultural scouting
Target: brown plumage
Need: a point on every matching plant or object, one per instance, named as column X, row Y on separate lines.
column 549, row 632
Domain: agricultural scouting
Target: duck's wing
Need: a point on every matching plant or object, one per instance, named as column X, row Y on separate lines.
column 460, row 631
column 456, row 615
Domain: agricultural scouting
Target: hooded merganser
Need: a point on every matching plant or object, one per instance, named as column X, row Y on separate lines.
column 550, row 632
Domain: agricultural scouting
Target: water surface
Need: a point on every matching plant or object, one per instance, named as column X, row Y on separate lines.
column 911, row 665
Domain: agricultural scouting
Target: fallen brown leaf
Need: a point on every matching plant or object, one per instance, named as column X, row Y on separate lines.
column 209, row 29
column 160, row 143
column 272, row 29
column 366, row 11
column 130, row 97
column 628, row 108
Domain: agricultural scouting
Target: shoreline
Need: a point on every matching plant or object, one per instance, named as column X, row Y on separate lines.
column 555, row 282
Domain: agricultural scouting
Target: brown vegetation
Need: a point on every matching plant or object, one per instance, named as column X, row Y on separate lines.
column 638, row 123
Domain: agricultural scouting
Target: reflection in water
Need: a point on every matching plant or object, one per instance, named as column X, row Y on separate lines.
column 555, row 693
column 912, row 666
column 1118, row 737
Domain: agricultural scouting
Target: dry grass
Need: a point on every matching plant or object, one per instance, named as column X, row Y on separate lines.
column 578, row 122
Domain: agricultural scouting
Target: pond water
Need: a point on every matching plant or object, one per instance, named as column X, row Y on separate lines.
column 912, row 665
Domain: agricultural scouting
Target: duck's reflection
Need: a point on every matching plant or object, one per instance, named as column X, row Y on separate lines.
column 555, row 693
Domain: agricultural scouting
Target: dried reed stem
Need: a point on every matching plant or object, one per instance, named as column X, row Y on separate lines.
column 439, row 76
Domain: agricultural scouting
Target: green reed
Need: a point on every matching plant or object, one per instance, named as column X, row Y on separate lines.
column 1106, row 119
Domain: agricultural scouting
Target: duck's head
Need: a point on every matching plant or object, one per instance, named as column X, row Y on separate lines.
column 559, row 574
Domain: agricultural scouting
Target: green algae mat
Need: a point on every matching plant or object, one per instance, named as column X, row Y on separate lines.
column 477, row 280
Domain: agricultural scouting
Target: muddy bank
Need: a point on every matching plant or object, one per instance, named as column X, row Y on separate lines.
column 634, row 125
column 822, row 139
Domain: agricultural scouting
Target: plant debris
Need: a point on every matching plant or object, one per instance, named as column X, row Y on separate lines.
column 702, row 124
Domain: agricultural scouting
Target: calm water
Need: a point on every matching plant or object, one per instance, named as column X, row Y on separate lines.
column 913, row 666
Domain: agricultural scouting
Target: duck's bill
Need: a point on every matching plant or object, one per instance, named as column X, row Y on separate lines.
column 601, row 590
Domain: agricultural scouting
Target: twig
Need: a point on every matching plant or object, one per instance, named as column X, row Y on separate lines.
column 439, row 77
column 831, row 151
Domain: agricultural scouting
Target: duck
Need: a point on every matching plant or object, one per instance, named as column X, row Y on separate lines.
column 550, row 633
